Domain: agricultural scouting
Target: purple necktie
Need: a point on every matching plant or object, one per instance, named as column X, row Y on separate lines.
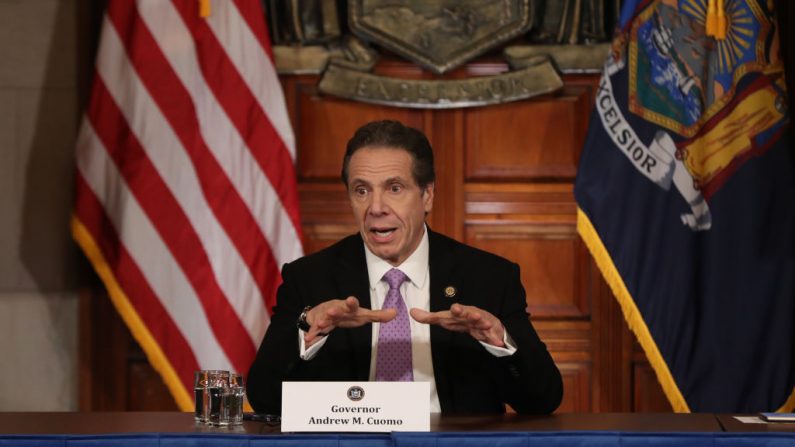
column 393, row 362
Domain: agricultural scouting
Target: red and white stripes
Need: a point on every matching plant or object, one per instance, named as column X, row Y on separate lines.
column 186, row 197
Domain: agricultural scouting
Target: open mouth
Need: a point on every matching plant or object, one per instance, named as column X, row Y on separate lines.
column 382, row 232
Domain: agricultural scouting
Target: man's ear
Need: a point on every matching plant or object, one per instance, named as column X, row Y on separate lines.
column 427, row 197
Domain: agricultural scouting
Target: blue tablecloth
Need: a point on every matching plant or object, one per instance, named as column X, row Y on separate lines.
column 497, row 439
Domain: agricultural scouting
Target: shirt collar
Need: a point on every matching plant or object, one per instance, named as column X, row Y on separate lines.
column 415, row 266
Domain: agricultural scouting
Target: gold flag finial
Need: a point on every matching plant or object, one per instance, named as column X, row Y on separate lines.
column 204, row 8
column 720, row 32
column 712, row 18
column 716, row 19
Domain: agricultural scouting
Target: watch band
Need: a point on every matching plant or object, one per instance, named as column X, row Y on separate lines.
column 302, row 323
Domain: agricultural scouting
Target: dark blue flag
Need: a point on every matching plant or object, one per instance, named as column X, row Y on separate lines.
column 686, row 197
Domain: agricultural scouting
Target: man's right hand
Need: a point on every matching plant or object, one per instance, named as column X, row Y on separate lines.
column 327, row 316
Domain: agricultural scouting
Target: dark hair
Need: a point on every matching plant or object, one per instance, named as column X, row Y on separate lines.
column 393, row 134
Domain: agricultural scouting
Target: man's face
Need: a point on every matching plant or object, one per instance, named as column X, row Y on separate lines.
column 388, row 205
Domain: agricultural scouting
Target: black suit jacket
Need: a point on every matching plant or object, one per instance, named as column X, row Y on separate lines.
column 468, row 378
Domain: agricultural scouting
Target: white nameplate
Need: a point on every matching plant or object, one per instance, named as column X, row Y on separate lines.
column 356, row 406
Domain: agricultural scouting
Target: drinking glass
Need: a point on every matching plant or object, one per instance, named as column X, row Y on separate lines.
column 201, row 398
column 233, row 401
column 217, row 384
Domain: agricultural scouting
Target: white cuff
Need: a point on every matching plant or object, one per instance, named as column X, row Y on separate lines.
column 509, row 349
column 311, row 352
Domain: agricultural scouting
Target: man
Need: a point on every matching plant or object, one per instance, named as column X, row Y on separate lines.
column 399, row 302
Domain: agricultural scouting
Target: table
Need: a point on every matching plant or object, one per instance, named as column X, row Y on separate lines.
column 600, row 429
column 132, row 422
column 730, row 424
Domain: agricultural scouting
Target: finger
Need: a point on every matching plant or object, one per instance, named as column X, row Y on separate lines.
column 443, row 318
column 323, row 325
column 482, row 321
column 464, row 315
column 420, row 315
column 495, row 334
column 472, row 316
column 475, row 317
column 479, row 326
column 333, row 312
column 493, row 339
column 352, row 304
column 381, row 316
column 486, row 336
column 310, row 336
column 431, row 317
column 344, row 308
column 456, row 309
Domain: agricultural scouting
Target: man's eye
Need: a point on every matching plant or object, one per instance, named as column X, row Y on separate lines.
column 360, row 191
column 396, row 188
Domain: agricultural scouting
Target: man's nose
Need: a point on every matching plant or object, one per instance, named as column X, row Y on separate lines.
column 378, row 205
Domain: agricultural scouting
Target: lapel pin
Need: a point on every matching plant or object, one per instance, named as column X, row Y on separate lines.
column 449, row 291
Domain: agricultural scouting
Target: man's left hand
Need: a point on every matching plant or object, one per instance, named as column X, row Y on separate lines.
column 480, row 324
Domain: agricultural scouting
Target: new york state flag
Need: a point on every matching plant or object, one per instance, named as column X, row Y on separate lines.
column 686, row 199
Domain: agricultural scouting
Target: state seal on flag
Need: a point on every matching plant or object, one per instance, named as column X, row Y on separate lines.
column 723, row 95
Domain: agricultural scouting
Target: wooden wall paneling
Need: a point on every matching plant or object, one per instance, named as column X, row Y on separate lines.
column 290, row 89
column 103, row 378
column 551, row 260
column 445, row 133
column 530, row 202
column 570, row 345
column 612, row 348
column 86, row 349
column 527, row 140
column 146, row 389
column 612, row 379
column 648, row 396
column 576, row 387
column 326, row 215
column 533, row 225
column 114, row 372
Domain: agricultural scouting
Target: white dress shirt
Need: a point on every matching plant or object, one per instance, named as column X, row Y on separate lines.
column 416, row 293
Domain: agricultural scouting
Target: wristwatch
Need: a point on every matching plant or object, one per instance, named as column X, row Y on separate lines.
column 302, row 323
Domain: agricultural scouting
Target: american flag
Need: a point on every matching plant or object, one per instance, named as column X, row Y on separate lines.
column 186, row 199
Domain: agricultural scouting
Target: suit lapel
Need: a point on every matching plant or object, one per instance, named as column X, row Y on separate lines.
column 441, row 260
column 353, row 279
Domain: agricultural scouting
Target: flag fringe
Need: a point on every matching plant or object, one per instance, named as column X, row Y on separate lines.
column 139, row 331
column 631, row 313
column 789, row 405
